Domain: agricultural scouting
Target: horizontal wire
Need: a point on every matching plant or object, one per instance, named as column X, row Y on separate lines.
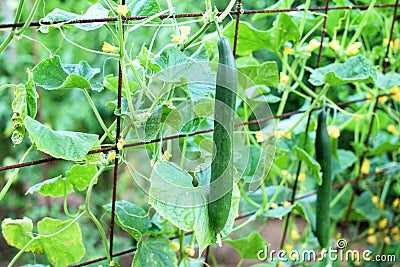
column 189, row 15
column 136, row 144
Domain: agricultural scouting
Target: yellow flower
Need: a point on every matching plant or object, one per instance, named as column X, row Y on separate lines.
column 280, row 264
column 177, row 39
column 185, row 30
column 274, row 206
column 294, row 234
column 375, row 199
column 354, row 49
column 279, row 134
column 396, row 44
column 260, row 137
column 166, row 155
column 365, row 166
column 394, row 230
column 302, row 177
column 152, row 163
column 288, row 248
column 396, row 93
column 387, row 240
column 111, row 156
column 392, row 129
column 357, row 263
column 338, row 236
column 122, row 10
column 112, row 263
column 383, row 223
column 283, row 77
column 175, row 246
column 382, row 99
column 313, row 44
column 109, row 48
column 287, row 51
column 286, row 204
column 333, row 131
column 358, row 117
column 368, row 95
column 381, row 205
column 334, row 45
column 396, row 238
column 371, row 231
column 190, row 251
column 371, row 239
column 120, row 144
column 396, row 202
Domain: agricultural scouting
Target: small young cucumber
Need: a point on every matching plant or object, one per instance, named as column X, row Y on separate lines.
column 222, row 165
column 324, row 158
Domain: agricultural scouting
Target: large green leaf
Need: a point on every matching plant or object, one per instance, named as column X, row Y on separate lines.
column 60, row 144
column 52, row 187
column 52, row 75
column 80, row 175
column 355, row 69
column 171, row 56
column 252, row 39
column 311, row 163
column 111, row 83
column 24, row 104
column 166, row 180
column 155, row 252
column 143, row 7
column 18, row 233
column 263, row 74
column 249, row 246
column 131, row 218
column 61, row 241
column 94, row 12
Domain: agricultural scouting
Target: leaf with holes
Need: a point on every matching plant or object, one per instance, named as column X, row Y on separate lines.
column 155, row 252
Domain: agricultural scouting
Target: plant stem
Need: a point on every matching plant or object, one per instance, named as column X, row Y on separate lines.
column 9, row 38
column 311, row 107
column 20, row 252
column 91, row 215
column 363, row 22
column 183, row 152
column 303, row 20
column 181, row 246
column 97, row 114
column 226, row 11
column 14, row 175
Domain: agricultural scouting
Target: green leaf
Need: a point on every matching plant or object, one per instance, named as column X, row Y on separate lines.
column 18, row 233
column 264, row 74
column 344, row 160
column 24, row 104
column 60, row 144
column 80, row 175
column 166, row 182
column 355, row 69
column 171, row 56
column 131, row 218
column 365, row 208
column 251, row 39
column 52, row 75
column 388, row 80
column 143, row 7
column 111, row 83
column 249, row 246
column 312, row 164
column 61, row 241
column 52, row 187
column 94, row 12
column 155, row 252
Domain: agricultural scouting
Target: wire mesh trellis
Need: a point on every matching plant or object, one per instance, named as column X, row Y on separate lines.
column 239, row 11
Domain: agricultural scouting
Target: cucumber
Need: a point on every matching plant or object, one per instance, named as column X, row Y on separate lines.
column 222, row 165
column 324, row 158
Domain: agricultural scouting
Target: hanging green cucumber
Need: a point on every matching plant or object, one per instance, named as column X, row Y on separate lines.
column 222, row 164
column 324, row 158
